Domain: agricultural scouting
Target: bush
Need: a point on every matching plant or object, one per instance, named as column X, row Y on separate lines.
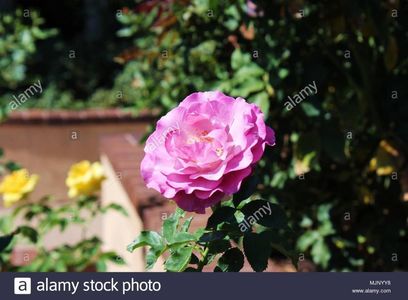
column 340, row 161
column 43, row 216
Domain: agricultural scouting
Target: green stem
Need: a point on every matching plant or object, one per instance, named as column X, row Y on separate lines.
column 204, row 260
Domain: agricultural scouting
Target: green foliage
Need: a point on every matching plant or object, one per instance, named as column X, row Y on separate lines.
column 41, row 218
column 338, row 149
column 38, row 218
column 314, row 239
column 18, row 37
column 231, row 261
column 257, row 250
column 221, row 239
column 174, row 238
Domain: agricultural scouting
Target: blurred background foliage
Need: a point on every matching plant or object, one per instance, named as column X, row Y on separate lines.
column 340, row 162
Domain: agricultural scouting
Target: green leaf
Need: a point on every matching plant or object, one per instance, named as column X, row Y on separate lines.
column 219, row 246
column 323, row 212
column 1, row 152
column 101, row 266
column 5, row 241
column 199, row 233
column 179, row 259
column 283, row 73
column 248, row 71
column 321, row 253
column 307, row 239
column 265, row 213
column 151, row 258
column 183, row 237
column 29, row 233
column 114, row 206
column 186, row 225
column 147, row 238
column 248, row 87
column 156, row 243
column 231, row 261
column 170, row 225
column 220, row 215
column 257, row 250
column 309, row 109
column 12, row 166
column 279, row 242
column 238, row 59
column 212, row 236
column 248, row 187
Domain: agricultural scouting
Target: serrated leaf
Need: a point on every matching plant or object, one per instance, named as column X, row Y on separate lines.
column 147, row 238
column 219, row 246
column 231, row 261
column 170, row 225
column 220, row 215
column 257, row 250
column 179, row 259
column 265, row 213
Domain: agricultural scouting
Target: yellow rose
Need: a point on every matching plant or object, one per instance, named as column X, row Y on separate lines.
column 84, row 178
column 17, row 186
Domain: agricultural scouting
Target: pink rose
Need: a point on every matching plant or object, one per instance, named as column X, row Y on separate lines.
column 202, row 150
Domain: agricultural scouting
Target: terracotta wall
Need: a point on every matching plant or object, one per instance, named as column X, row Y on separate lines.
column 49, row 149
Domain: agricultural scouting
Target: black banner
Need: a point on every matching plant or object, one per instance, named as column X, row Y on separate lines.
column 282, row 286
